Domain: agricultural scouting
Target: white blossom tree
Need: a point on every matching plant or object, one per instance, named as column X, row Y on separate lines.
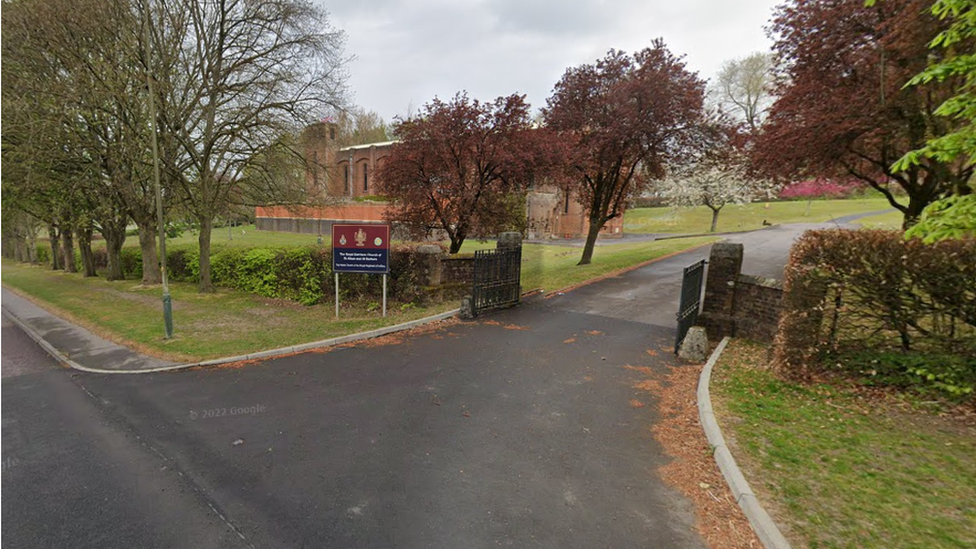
column 713, row 182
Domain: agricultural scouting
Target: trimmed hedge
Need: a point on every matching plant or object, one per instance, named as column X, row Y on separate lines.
column 848, row 293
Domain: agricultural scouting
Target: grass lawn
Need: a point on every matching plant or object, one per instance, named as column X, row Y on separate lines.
column 225, row 323
column 554, row 267
column 246, row 236
column 230, row 322
column 841, row 470
column 890, row 220
column 745, row 217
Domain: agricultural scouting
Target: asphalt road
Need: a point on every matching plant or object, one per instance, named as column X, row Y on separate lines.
column 76, row 475
column 526, row 429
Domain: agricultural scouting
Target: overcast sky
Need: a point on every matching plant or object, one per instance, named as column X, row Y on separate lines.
column 409, row 51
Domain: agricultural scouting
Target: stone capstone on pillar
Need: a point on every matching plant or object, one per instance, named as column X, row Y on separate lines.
column 509, row 240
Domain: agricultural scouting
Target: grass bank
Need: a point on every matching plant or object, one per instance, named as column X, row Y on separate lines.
column 843, row 470
column 230, row 322
column 747, row 216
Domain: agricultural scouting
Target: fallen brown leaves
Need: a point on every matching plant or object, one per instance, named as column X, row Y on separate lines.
column 694, row 471
column 570, row 340
column 506, row 326
column 389, row 339
column 399, row 338
column 646, row 370
column 650, row 385
column 634, row 403
column 594, row 332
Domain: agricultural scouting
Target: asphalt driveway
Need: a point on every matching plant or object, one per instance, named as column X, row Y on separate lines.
column 516, row 431
column 527, row 428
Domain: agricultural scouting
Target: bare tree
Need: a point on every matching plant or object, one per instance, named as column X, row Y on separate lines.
column 742, row 88
column 234, row 76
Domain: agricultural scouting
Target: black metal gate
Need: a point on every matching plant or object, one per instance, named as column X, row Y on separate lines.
column 691, row 290
column 497, row 278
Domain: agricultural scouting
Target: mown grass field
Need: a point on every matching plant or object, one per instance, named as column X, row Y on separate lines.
column 842, row 470
column 747, row 216
column 231, row 322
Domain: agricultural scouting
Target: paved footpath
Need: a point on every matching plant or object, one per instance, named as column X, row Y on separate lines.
column 527, row 428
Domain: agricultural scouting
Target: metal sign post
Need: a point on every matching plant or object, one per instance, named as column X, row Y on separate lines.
column 360, row 248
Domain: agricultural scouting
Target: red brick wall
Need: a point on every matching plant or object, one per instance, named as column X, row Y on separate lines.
column 757, row 307
column 736, row 304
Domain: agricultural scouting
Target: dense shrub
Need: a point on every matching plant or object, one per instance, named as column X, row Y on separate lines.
column 853, row 292
column 301, row 274
column 131, row 259
column 183, row 264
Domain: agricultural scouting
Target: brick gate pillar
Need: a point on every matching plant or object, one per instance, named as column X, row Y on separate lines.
column 724, row 266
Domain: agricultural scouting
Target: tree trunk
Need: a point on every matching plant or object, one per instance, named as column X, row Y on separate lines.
column 206, row 228
column 32, row 246
column 55, row 238
column 714, row 219
column 114, row 239
column 113, row 231
column 68, row 244
column 84, row 245
column 150, row 260
column 915, row 206
column 591, row 236
column 19, row 248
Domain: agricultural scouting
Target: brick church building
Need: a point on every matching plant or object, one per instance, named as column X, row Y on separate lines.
column 349, row 175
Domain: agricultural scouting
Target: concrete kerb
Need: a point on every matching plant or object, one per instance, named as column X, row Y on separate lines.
column 759, row 519
column 379, row 332
column 724, row 233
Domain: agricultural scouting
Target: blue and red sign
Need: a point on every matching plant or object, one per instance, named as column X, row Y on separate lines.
column 360, row 248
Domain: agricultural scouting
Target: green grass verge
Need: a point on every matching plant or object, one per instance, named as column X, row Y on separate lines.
column 225, row 323
column 230, row 323
column 843, row 470
column 746, row 216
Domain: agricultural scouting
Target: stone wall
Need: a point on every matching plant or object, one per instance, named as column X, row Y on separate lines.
column 736, row 304
column 456, row 270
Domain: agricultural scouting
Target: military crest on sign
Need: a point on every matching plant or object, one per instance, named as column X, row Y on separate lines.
column 360, row 237
column 342, row 240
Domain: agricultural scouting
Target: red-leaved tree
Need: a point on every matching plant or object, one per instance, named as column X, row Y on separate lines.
column 462, row 167
column 843, row 110
column 624, row 117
